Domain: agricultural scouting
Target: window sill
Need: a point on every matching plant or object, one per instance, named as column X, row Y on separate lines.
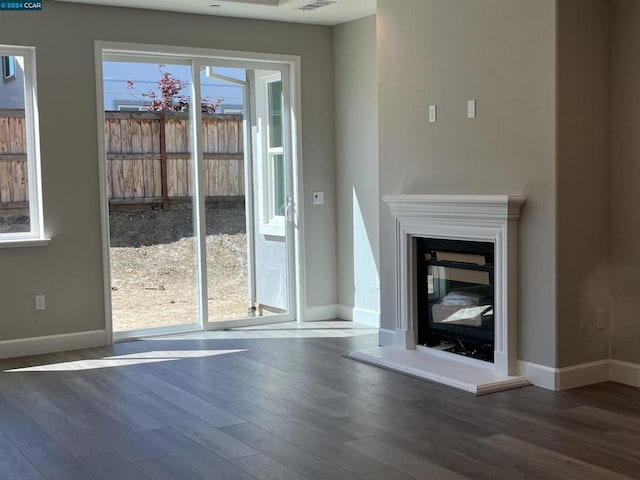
column 274, row 228
column 27, row 242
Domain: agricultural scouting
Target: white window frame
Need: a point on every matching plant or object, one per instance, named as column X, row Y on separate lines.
column 270, row 223
column 35, row 236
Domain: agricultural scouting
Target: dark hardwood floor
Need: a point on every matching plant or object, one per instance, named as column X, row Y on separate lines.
column 281, row 402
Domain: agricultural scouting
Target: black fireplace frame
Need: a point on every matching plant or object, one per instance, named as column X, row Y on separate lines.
column 433, row 334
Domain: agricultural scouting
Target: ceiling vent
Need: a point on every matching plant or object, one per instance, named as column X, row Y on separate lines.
column 316, row 4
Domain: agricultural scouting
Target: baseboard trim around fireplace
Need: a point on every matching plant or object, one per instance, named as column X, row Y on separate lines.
column 581, row 375
column 463, row 373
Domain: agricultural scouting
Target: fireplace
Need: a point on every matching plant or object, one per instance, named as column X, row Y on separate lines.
column 454, row 249
column 455, row 296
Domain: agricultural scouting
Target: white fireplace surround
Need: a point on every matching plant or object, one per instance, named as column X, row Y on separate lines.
column 482, row 218
column 479, row 218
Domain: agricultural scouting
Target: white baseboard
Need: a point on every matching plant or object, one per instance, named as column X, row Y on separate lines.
column 53, row 343
column 386, row 337
column 540, row 375
column 320, row 312
column 624, row 372
column 583, row 374
column 580, row 375
column 359, row 315
column 366, row 317
column 345, row 312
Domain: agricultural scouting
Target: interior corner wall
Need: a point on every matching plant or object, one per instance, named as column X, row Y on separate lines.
column 502, row 54
column 583, row 173
column 69, row 270
column 356, row 126
column 625, row 179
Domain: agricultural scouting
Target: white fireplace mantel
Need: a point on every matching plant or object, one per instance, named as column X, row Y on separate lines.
column 482, row 218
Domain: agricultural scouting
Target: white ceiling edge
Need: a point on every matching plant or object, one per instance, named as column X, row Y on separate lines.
column 278, row 10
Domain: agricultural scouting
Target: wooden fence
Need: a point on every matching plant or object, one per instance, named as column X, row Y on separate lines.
column 13, row 158
column 148, row 156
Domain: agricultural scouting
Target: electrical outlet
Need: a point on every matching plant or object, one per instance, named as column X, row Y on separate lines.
column 40, row 302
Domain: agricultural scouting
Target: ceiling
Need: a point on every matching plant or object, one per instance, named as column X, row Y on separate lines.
column 338, row 11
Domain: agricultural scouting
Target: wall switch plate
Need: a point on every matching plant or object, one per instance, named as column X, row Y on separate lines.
column 601, row 320
column 40, row 302
column 432, row 114
column 318, row 198
column 471, row 109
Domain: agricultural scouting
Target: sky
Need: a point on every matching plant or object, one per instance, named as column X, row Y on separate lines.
column 146, row 75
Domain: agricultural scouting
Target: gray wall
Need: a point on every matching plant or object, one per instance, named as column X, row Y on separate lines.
column 583, row 174
column 501, row 53
column 12, row 90
column 625, row 182
column 356, row 107
column 69, row 270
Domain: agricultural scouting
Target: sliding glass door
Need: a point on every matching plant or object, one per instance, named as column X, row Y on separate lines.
column 201, row 211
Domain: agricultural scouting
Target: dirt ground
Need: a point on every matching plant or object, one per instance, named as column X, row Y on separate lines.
column 14, row 220
column 153, row 266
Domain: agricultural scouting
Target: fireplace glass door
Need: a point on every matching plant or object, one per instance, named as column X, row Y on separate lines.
column 456, row 297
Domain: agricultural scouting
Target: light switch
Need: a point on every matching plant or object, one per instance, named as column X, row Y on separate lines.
column 318, row 198
column 432, row 114
column 471, row 109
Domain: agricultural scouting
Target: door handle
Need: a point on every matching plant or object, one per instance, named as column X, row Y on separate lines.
column 288, row 212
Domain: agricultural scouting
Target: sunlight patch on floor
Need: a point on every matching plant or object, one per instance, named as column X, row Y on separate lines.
column 324, row 329
column 140, row 358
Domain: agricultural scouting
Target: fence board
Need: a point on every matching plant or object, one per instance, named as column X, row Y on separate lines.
column 233, row 137
column 171, row 178
column 212, row 136
column 136, row 136
column 211, row 175
column 148, row 176
column 157, row 178
column 5, row 182
column 16, row 132
column 181, row 135
column 233, row 178
column 138, row 179
column 223, row 134
column 241, row 178
column 117, row 177
column 114, row 136
column 146, row 132
column 109, row 180
column 155, row 133
column 19, row 187
column 125, row 127
column 170, row 128
column 127, row 174
column 4, row 135
column 182, row 177
column 223, row 172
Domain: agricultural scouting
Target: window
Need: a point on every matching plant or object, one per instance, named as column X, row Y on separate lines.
column 273, row 176
column 275, row 150
column 20, row 190
column 8, row 68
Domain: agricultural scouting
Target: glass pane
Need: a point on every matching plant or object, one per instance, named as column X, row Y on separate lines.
column 226, row 228
column 14, row 181
column 149, row 170
column 278, row 185
column 275, row 114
